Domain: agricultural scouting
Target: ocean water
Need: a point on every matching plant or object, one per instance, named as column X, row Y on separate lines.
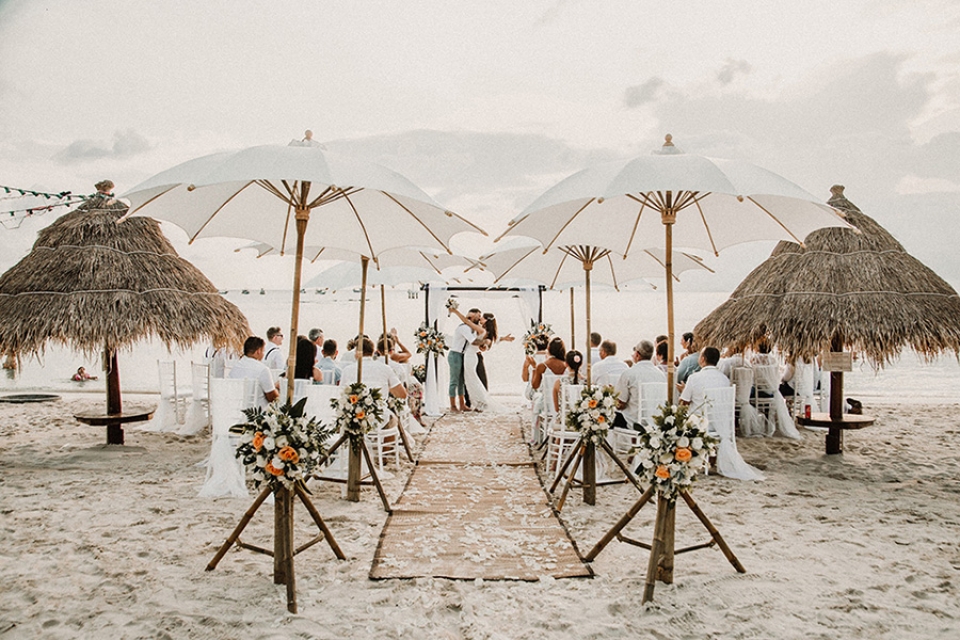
column 625, row 317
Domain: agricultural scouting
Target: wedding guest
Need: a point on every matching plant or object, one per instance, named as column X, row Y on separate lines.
column 316, row 337
column 608, row 367
column 574, row 360
column 707, row 377
column 595, row 340
column 327, row 362
column 250, row 366
column 555, row 362
column 306, row 368
column 273, row 358
column 628, row 386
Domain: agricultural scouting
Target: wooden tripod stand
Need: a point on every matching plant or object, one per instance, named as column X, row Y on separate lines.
column 660, row 565
column 584, row 453
column 283, row 549
column 358, row 446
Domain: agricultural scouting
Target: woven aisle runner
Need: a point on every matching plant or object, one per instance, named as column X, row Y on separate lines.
column 474, row 508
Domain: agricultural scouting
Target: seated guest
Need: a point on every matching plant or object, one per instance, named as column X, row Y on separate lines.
column 316, row 337
column 555, row 362
column 327, row 362
column 689, row 362
column 628, row 386
column 305, row 369
column 662, row 351
column 574, row 360
column 376, row 373
column 273, row 356
column 708, row 377
column 609, row 366
column 730, row 362
column 250, row 366
column 595, row 340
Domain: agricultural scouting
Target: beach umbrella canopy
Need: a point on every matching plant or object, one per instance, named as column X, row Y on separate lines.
column 270, row 193
column 843, row 288
column 670, row 198
column 94, row 285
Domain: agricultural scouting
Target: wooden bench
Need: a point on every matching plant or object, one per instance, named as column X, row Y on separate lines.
column 114, row 421
column 835, row 428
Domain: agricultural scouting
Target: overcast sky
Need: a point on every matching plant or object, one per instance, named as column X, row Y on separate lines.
column 484, row 105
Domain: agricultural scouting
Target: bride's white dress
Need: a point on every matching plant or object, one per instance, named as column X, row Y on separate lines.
column 479, row 398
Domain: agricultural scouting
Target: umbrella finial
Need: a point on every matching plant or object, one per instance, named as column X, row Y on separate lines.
column 668, row 147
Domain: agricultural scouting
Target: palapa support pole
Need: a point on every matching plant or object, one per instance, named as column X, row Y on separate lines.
column 114, row 403
column 302, row 218
column 834, row 439
column 354, row 455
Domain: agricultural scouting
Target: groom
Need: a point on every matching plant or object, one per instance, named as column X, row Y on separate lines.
column 462, row 338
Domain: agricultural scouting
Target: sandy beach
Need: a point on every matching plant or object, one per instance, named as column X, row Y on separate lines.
column 110, row 543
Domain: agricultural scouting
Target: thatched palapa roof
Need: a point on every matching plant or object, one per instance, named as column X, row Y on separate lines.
column 862, row 287
column 93, row 284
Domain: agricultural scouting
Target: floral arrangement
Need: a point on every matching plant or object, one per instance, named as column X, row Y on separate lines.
column 536, row 329
column 672, row 454
column 280, row 445
column 359, row 409
column 430, row 340
column 398, row 406
column 593, row 414
column 419, row 372
column 452, row 304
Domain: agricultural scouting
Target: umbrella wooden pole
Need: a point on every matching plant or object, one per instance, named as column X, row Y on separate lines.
column 668, row 220
column 353, row 458
column 383, row 314
column 302, row 217
column 587, row 266
column 573, row 333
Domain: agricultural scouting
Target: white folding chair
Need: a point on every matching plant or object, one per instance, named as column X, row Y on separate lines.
column 329, row 376
column 560, row 438
column 653, row 395
column 225, row 473
column 718, row 409
column 746, row 416
column 171, row 408
column 198, row 410
column 766, row 383
column 545, row 412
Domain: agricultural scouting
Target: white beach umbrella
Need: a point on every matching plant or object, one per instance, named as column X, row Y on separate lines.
column 270, row 193
column 670, row 198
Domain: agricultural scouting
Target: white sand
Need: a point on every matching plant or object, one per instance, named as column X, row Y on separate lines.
column 97, row 543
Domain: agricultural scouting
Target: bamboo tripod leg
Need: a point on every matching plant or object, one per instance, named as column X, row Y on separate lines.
column 403, row 439
column 665, row 562
column 623, row 522
column 563, row 468
column 376, row 478
column 332, row 450
column 244, row 521
column 312, row 510
column 656, row 548
column 623, row 467
column 573, row 472
column 589, row 467
column 714, row 533
column 353, row 468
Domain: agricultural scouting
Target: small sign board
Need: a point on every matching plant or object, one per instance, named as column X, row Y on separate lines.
column 838, row 361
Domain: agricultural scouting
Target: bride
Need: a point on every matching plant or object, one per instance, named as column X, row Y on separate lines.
column 479, row 398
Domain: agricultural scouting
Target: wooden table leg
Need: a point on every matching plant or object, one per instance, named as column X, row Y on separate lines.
column 834, row 440
column 115, row 433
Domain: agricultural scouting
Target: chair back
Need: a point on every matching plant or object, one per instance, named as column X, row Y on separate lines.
column 766, row 377
column 329, row 376
column 652, row 396
column 742, row 379
column 569, row 396
column 547, row 383
column 200, row 377
column 318, row 401
column 718, row 407
column 228, row 398
column 168, row 378
column 300, row 387
column 607, row 379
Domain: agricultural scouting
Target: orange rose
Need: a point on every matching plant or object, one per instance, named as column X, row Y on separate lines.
column 354, row 399
column 289, row 454
column 257, row 440
column 683, row 454
column 592, row 404
column 273, row 470
column 361, row 414
column 601, row 420
column 662, row 472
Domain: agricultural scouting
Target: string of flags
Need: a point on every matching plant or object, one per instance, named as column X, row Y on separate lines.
column 13, row 218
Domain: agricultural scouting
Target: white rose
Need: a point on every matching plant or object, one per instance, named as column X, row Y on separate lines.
column 654, row 442
column 281, row 442
column 668, row 420
column 697, row 444
column 683, row 441
column 277, row 463
column 269, row 444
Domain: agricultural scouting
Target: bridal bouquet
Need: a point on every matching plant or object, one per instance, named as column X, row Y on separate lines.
column 280, row 445
column 675, row 450
column 430, row 340
column 452, row 304
column 593, row 414
column 359, row 409
column 536, row 329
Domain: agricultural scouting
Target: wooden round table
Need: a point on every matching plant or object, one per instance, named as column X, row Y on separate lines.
column 836, row 427
column 114, row 421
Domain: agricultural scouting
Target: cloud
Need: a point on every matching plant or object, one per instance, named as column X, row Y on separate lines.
column 731, row 69
column 125, row 145
column 641, row 94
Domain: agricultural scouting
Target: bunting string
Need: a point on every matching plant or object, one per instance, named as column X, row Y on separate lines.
column 13, row 218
